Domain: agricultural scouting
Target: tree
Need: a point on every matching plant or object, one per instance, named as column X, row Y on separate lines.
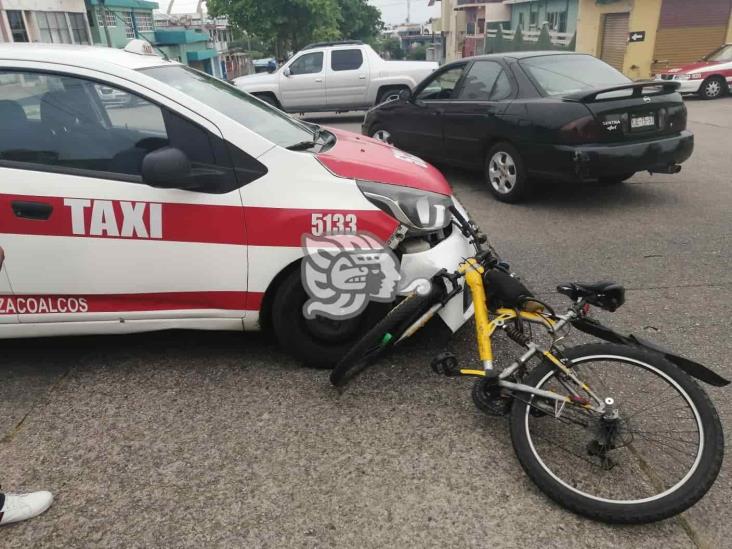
column 288, row 24
column 392, row 47
column 418, row 53
column 545, row 39
column 517, row 44
column 359, row 20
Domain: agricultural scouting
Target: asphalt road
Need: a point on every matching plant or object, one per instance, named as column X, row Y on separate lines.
column 195, row 439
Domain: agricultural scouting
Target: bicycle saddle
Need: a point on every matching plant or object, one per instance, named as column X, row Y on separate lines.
column 606, row 295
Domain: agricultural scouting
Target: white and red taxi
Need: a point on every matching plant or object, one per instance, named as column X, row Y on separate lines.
column 183, row 202
column 710, row 77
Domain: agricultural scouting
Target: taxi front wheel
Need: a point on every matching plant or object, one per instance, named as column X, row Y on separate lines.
column 320, row 342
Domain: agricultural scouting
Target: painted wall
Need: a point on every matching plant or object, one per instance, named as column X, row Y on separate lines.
column 45, row 5
column 729, row 30
column 644, row 15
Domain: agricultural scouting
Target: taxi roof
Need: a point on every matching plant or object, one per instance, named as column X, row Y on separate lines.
column 89, row 57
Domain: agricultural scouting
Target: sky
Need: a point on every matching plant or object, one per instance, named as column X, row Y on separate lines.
column 395, row 11
column 392, row 11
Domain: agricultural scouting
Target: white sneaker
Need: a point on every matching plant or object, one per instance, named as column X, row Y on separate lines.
column 24, row 506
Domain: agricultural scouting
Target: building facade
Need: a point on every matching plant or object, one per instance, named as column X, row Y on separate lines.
column 52, row 21
column 664, row 32
column 480, row 14
column 113, row 23
column 466, row 25
column 560, row 15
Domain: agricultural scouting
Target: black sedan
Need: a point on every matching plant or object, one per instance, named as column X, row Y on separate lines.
column 531, row 116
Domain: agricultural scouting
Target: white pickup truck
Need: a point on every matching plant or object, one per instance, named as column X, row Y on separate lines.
column 335, row 76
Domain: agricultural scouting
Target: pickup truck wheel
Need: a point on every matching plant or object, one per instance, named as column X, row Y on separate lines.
column 505, row 173
column 320, row 342
column 385, row 93
column 378, row 132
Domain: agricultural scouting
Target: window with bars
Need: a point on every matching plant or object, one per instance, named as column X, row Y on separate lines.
column 17, row 26
column 78, row 28
column 557, row 20
column 106, row 17
column 144, row 22
column 53, row 27
column 129, row 26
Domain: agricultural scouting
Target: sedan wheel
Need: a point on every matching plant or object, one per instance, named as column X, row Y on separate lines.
column 505, row 173
column 502, row 172
column 712, row 88
column 382, row 135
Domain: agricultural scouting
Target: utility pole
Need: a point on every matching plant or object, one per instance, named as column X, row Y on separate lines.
column 104, row 23
column 409, row 11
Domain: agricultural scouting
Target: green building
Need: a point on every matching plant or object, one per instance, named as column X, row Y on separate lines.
column 114, row 23
column 561, row 15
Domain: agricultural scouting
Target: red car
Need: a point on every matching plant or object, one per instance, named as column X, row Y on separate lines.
column 710, row 77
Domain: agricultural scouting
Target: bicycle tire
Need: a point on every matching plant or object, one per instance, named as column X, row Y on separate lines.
column 375, row 344
column 661, row 507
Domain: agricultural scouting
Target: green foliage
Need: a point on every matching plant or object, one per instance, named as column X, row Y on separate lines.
column 417, row 54
column 495, row 44
column 358, row 20
column 288, row 25
column 544, row 41
column 517, row 44
column 391, row 47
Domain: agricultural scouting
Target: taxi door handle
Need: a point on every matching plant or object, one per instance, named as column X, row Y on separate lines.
column 32, row 210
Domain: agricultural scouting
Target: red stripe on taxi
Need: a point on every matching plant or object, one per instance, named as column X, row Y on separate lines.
column 114, row 303
column 175, row 222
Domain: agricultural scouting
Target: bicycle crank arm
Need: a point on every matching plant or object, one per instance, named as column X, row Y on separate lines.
column 694, row 369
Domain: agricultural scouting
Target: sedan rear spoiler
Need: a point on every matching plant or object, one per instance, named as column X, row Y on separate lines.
column 656, row 87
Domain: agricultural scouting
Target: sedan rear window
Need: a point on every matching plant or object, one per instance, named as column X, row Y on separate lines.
column 565, row 74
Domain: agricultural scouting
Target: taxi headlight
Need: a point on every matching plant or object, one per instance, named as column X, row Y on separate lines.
column 682, row 77
column 420, row 211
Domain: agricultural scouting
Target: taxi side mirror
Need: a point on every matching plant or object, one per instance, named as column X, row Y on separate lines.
column 287, row 72
column 167, row 168
column 405, row 95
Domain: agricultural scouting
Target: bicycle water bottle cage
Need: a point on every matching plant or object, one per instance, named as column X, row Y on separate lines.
column 606, row 295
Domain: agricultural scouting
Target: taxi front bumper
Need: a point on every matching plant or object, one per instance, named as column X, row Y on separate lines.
column 448, row 255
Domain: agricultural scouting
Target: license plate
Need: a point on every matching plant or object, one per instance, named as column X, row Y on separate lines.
column 638, row 122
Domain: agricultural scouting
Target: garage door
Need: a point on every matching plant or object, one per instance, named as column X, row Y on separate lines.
column 614, row 39
column 689, row 30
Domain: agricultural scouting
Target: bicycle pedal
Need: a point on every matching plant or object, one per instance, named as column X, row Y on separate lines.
column 446, row 364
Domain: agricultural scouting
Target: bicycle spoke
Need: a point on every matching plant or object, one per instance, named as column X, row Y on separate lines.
column 643, row 455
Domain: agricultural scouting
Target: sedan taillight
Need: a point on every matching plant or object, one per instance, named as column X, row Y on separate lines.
column 582, row 130
column 676, row 117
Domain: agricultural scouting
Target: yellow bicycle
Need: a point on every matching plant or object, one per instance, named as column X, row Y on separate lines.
column 618, row 431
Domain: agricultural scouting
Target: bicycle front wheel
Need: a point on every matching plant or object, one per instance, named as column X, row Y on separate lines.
column 654, row 456
column 377, row 341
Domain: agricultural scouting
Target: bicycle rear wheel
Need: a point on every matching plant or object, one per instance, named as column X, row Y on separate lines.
column 655, row 459
column 380, row 338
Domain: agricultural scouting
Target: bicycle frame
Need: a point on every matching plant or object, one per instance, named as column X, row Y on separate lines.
column 485, row 328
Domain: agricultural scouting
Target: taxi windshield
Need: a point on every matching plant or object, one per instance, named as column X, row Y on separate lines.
column 259, row 117
column 723, row 54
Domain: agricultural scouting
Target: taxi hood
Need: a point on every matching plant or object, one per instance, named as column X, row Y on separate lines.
column 689, row 68
column 356, row 156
